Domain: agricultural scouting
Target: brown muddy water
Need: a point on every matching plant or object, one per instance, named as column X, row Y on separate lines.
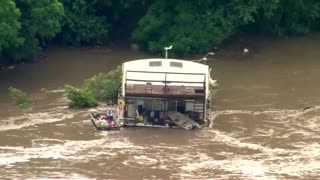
column 259, row 128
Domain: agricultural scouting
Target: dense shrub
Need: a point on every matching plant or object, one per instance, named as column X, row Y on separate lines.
column 79, row 98
column 98, row 88
column 104, row 86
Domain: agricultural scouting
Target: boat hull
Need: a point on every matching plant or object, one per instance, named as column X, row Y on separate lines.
column 100, row 124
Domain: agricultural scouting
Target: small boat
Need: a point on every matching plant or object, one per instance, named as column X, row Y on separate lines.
column 104, row 121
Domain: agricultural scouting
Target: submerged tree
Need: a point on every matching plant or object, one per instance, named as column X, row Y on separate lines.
column 20, row 98
column 100, row 87
column 79, row 98
column 104, row 86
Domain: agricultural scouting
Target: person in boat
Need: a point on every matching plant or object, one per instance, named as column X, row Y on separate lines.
column 145, row 118
column 152, row 118
column 101, row 117
column 109, row 114
column 113, row 124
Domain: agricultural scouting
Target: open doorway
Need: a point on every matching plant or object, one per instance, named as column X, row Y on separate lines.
column 181, row 106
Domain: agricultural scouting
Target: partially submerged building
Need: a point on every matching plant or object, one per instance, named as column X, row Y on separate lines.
column 153, row 87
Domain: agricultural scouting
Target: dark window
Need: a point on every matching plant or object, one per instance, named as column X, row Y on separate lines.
column 199, row 91
column 176, row 64
column 155, row 63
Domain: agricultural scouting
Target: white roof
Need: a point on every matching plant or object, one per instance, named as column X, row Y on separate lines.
column 187, row 66
column 169, row 68
column 165, row 70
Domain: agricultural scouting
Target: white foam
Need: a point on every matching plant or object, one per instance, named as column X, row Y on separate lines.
column 145, row 160
column 257, row 166
column 32, row 119
column 55, row 91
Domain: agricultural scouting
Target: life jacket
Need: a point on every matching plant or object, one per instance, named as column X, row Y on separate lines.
column 140, row 118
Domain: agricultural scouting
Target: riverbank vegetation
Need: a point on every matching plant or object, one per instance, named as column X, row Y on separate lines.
column 20, row 98
column 26, row 27
column 101, row 87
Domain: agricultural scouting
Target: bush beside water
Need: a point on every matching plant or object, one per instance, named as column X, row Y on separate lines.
column 79, row 98
column 20, row 98
column 100, row 87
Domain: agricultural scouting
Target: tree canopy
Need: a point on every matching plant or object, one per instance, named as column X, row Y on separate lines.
column 27, row 26
column 39, row 22
column 9, row 24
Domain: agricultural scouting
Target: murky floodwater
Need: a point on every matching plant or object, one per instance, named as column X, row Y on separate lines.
column 259, row 128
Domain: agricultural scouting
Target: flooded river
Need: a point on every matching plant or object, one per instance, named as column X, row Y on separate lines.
column 259, row 128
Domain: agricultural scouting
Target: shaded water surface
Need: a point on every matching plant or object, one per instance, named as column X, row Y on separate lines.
column 259, row 128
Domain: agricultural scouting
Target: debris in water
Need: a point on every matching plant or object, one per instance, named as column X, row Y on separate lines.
column 245, row 51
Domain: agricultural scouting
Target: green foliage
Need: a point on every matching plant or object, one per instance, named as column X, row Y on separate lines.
column 104, row 85
column 100, row 87
column 9, row 24
column 82, row 24
column 191, row 26
column 90, row 21
column 196, row 26
column 79, row 98
column 40, row 21
column 288, row 17
column 20, row 98
column 25, row 51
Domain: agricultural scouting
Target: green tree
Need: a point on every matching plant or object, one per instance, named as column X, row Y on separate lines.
column 9, row 24
column 288, row 17
column 104, row 85
column 40, row 22
column 83, row 25
column 100, row 87
column 91, row 21
column 192, row 26
column 79, row 98
column 196, row 26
